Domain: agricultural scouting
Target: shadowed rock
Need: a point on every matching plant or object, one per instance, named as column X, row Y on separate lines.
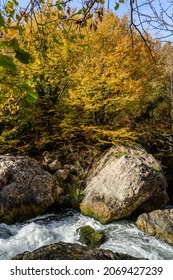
column 26, row 190
column 68, row 251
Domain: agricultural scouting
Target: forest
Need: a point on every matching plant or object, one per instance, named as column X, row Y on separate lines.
column 86, row 130
column 66, row 82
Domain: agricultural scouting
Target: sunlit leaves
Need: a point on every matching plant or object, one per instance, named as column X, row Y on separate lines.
column 31, row 93
column 9, row 7
column 18, row 28
column 108, row 82
column 81, row 82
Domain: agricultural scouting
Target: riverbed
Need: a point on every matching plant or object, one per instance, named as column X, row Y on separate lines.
column 121, row 236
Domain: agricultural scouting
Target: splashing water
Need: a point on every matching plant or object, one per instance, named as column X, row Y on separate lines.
column 122, row 236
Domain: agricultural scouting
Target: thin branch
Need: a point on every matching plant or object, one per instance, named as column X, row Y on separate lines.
column 132, row 24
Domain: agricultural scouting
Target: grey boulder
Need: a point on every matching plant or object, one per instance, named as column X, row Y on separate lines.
column 26, row 190
column 124, row 180
column 159, row 223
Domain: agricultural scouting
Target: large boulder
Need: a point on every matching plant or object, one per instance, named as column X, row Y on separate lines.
column 124, row 180
column 26, row 190
column 68, row 251
column 159, row 223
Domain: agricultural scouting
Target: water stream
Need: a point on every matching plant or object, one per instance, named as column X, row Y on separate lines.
column 122, row 236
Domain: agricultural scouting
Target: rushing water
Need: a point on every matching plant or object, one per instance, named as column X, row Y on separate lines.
column 122, row 236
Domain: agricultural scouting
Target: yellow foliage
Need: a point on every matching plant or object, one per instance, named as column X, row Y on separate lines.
column 90, row 84
column 12, row 32
column 109, row 81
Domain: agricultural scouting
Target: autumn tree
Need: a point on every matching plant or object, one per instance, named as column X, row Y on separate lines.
column 112, row 84
column 36, row 101
column 89, row 81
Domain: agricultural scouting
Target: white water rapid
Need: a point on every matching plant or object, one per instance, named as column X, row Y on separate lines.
column 122, row 236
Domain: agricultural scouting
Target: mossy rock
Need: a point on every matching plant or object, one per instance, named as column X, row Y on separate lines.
column 90, row 237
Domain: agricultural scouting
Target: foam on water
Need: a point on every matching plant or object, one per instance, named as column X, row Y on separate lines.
column 122, row 236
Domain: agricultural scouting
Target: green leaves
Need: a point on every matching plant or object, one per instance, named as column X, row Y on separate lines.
column 18, row 27
column 118, row 4
column 15, row 2
column 13, row 43
column 102, row 2
column 22, row 56
column 31, row 93
column 60, row 5
column 7, row 62
column 2, row 22
column 9, row 8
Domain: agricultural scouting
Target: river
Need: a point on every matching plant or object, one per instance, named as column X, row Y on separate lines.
column 122, row 236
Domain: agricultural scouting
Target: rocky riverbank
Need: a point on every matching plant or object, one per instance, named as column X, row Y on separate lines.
column 124, row 181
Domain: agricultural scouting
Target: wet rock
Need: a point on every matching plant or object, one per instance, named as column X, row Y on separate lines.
column 159, row 223
column 68, row 251
column 90, row 237
column 26, row 190
column 125, row 179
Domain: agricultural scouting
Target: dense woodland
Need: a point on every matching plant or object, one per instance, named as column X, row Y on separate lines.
column 64, row 85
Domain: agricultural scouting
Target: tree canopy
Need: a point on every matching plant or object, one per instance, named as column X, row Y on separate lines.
column 81, row 75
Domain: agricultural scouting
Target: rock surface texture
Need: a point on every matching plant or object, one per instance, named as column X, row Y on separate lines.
column 68, row 251
column 123, row 181
column 90, row 237
column 25, row 189
column 159, row 223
